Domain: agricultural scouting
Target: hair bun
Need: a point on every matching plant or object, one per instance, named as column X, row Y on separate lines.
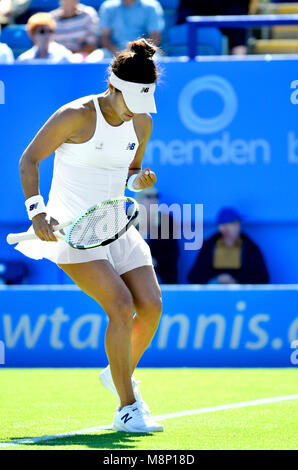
column 142, row 48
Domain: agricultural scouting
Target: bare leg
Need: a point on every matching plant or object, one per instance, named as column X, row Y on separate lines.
column 146, row 294
column 100, row 281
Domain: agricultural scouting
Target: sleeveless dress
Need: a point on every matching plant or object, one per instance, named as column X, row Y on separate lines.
column 84, row 175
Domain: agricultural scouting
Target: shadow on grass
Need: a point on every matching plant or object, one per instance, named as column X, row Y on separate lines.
column 109, row 440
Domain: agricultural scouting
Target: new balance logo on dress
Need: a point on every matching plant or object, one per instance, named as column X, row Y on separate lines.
column 130, row 146
column 33, row 206
column 99, row 146
column 145, row 90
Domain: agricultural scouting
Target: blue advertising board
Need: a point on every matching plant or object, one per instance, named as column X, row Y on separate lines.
column 48, row 326
column 225, row 134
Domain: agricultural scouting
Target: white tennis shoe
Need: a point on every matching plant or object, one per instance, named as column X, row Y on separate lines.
column 106, row 380
column 132, row 418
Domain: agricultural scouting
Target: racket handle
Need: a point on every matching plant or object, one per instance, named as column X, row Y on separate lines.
column 13, row 238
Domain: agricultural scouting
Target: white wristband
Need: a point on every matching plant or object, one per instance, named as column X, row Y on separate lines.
column 35, row 205
column 130, row 181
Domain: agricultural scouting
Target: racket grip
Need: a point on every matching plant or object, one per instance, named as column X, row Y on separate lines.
column 13, row 238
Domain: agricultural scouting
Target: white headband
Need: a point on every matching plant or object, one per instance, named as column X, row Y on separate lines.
column 138, row 97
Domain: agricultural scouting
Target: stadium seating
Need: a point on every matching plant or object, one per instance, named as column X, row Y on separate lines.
column 170, row 21
column 93, row 3
column 13, row 272
column 279, row 39
column 48, row 5
column 16, row 37
column 44, row 5
column 285, row 32
column 210, row 41
column 275, row 46
column 169, row 4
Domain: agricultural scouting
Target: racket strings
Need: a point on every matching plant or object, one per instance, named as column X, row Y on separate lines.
column 102, row 223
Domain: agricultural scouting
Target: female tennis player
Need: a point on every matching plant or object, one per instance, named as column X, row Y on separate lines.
column 100, row 142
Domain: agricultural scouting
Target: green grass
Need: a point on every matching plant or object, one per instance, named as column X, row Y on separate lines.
column 38, row 402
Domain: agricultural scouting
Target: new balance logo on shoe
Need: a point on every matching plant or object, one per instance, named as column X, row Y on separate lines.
column 145, row 90
column 126, row 418
column 33, row 206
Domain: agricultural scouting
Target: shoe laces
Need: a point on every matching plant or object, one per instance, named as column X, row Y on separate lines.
column 144, row 406
column 139, row 413
column 135, row 386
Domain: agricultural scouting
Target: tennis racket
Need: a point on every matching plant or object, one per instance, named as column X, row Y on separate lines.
column 97, row 226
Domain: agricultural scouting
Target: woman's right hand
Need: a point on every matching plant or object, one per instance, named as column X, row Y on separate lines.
column 44, row 229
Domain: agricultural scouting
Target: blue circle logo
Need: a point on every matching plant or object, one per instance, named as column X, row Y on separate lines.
column 200, row 125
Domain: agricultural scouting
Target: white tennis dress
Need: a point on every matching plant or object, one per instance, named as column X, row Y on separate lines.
column 84, row 175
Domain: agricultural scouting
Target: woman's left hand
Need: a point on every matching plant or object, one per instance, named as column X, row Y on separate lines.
column 145, row 179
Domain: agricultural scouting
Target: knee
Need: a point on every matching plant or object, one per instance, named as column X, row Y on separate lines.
column 156, row 306
column 121, row 311
column 150, row 310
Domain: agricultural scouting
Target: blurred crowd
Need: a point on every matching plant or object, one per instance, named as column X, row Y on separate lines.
column 75, row 32
column 228, row 256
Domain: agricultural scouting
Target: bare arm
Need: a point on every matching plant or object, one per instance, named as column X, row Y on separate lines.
column 106, row 42
column 88, row 47
column 61, row 126
column 146, row 177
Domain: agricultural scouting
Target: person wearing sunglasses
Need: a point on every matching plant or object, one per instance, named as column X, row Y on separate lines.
column 40, row 28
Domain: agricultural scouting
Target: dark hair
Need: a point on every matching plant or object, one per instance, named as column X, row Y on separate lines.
column 135, row 64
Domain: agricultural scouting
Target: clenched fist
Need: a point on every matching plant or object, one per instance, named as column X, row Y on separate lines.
column 145, row 179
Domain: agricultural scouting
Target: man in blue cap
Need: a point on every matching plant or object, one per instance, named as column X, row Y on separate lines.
column 229, row 256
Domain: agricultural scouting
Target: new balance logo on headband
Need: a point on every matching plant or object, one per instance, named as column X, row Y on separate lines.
column 33, row 206
column 145, row 90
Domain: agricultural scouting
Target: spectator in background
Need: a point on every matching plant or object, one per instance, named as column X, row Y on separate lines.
column 40, row 28
column 11, row 9
column 6, row 54
column 229, row 256
column 77, row 27
column 153, row 226
column 122, row 21
column 13, row 272
column 237, row 36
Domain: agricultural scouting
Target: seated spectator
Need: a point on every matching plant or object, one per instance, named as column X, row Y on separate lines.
column 6, row 54
column 13, row 272
column 237, row 36
column 229, row 256
column 11, row 9
column 40, row 28
column 153, row 227
column 122, row 21
column 77, row 27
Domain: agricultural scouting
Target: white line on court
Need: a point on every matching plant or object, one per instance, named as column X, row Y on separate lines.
column 178, row 414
